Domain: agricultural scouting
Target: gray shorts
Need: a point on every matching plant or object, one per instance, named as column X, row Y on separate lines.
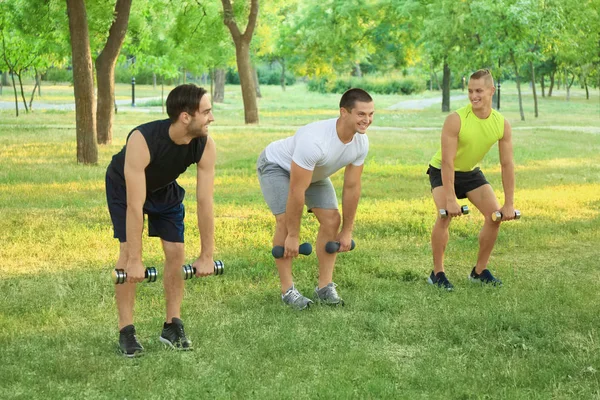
column 275, row 184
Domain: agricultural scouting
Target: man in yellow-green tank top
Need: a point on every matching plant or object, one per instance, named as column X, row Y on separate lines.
column 467, row 136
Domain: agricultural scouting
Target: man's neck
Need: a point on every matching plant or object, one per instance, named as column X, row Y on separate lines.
column 178, row 135
column 344, row 134
column 483, row 113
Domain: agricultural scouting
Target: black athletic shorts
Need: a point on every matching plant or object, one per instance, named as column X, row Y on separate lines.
column 164, row 208
column 464, row 182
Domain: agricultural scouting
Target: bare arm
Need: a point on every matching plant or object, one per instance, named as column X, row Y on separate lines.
column 205, row 180
column 350, row 198
column 508, row 171
column 450, row 132
column 137, row 158
column 299, row 181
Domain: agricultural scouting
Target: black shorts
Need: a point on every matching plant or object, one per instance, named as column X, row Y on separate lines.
column 164, row 208
column 464, row 182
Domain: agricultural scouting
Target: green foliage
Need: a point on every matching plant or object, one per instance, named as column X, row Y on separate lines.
column 268, row 74
column 379, row 85
column 57, row 75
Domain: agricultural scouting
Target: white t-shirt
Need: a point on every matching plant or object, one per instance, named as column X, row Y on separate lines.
column 317, row 147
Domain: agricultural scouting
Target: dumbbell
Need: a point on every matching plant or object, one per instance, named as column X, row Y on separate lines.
column 497, row 215
column 119, row 276
column 463, row 209
column 304, row 249
column 188, row 271
column 334, row 247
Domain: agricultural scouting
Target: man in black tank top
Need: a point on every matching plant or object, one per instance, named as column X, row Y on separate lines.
column 141, row 179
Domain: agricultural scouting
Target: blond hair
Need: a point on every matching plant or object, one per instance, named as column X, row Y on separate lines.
column 484, row 74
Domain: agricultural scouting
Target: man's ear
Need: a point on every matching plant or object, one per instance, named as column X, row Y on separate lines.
column 184, row 118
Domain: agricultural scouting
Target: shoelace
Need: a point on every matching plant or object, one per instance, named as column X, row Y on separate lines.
column 131, row 339
column 293, row 295
column 180, row 334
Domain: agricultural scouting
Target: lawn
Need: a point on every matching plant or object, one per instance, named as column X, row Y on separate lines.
column 537, row 337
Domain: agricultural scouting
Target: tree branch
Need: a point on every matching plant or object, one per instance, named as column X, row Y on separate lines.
column 251, row 20
column 229, row 21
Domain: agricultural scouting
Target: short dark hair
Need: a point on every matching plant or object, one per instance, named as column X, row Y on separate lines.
column 351, row 96
column 184, row 98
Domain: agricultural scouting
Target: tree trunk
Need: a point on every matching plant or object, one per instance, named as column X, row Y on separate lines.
column 22, row 92
column 518, row 81
column 5, row 78
column 551, row 83
column 587, row 90
column 256, row 82
column 219, row 85
column 154, row 81
column 242, row 55
column 282, row 76
column 162, row 94
column 446, row 88
column 15, row 92
column 436, row 80
column 33, row 94
column 38, row 82
column 83, row 83
column 568, row 84
column 542, row 79
column 105, row 70
column 535, row 100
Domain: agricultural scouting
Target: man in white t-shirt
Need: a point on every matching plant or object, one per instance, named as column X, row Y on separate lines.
column 295, row 171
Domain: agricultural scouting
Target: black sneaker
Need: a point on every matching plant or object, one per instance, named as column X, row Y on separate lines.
column 130, row 347
column 485, row 277
column 173, row 336
column 440, row 280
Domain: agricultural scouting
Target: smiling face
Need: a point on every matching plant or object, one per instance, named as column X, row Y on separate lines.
column 360, row 117
column 480, row 93
column 198, row 123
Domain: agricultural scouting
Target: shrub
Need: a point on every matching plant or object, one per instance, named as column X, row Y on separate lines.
column 58, row 75
column 379, row 85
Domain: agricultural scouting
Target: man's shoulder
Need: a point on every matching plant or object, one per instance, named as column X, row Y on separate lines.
column 148, row 126
column 324, row 124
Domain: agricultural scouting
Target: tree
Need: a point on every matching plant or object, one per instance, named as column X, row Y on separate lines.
column 83, row 83
column 446, row 38
column 29, row 39
column 242, row 55
column 105, row 70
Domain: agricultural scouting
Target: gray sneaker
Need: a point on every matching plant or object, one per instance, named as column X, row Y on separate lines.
column 328, row 295
column 294, row 299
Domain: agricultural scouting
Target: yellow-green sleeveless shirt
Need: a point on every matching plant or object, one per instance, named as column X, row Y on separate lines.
column 475, row 139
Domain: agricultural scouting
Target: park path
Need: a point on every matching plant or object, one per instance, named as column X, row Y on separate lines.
column 420, row 104
column 123, row 105
column 416, row 104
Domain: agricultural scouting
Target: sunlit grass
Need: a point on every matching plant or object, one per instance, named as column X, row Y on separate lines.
column 537, row 337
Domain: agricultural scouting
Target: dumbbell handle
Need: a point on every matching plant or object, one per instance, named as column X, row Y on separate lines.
column 334, row 247
column 304, row 249
column 497, row 215
column 463, row 209
column 119, row 276
column 188, row 271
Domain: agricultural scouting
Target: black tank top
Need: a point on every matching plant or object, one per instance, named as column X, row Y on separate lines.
column 168, row 160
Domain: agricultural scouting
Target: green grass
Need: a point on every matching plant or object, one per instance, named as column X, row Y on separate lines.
column 535, row 338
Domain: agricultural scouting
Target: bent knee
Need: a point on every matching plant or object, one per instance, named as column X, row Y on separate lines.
column 174, row 252
column 331, row 220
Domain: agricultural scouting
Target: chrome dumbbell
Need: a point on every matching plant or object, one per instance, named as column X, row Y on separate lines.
column 119, row 276
column 497, row 215
column 188, row 271
column 463, row 209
